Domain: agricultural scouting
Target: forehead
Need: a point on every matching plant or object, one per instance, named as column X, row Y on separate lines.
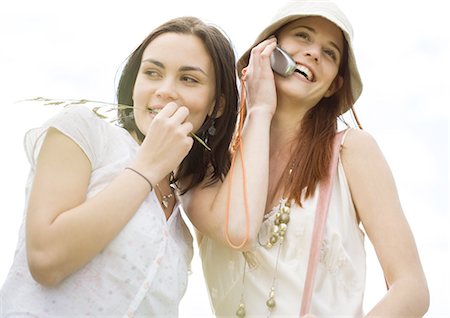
column 321, row 26
column 178, row 46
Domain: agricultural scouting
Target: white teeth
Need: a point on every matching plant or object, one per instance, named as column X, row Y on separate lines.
column 305, row 72
column 154, row 110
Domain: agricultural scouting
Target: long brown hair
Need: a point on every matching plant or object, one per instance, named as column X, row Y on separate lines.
column 312, row 154
column 309, row 161
column 195, row 166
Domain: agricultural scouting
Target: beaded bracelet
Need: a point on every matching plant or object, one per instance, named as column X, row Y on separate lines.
column 145, row 178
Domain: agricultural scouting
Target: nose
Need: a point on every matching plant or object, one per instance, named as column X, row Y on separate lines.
column 167, row 90
column 313, row 52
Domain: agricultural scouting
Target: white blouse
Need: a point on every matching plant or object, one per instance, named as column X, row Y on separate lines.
column 142, row 272
column 340, row 277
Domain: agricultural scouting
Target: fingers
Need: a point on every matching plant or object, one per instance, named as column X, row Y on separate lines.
column 263, row 49
column 266, row 47
column 180, row 115
column 169, row 109
column 177, row 114
column 271, row 42
column 176, row 117
column 174, row 113
column 168, row 137
column 186, row 128
column 260, row 81
column 260, row 57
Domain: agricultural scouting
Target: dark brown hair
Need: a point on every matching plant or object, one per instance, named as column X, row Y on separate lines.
column 200, row 162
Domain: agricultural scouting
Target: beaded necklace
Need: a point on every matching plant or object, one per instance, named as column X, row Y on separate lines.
column 277, row 233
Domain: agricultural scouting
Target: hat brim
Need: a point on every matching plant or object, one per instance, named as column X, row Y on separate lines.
column 331, row 15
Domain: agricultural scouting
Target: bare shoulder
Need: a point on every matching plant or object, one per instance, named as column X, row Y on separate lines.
column 361, row 156
column 360, row 145
column 358, row 139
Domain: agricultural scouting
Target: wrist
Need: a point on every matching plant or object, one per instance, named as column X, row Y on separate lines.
column 150, row 172
column 260, row 113
column 141, row 175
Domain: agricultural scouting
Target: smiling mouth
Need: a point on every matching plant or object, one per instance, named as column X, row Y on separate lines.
column 305, row 72
column 154, row 110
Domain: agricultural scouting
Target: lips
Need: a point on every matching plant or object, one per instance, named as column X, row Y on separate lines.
column 154, row 109
column 305, row 71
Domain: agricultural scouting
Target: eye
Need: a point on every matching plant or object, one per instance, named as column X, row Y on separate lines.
column 189, row 79
column 152, row 73
column 331, row 53
column 303, row 35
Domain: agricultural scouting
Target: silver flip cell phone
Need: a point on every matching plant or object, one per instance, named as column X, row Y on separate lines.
column 282, row 63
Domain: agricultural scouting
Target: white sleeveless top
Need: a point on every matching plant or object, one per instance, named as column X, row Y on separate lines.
column 340, row 277
column 143, row 272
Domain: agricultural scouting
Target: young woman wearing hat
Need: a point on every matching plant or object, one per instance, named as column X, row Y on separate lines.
column 273, row 189
column 103, row 234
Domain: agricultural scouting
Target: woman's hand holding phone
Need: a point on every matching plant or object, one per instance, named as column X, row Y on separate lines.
column 259, row 80
column 282, row 63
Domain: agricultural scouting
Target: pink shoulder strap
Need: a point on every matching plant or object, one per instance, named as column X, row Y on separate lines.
column 319, row 225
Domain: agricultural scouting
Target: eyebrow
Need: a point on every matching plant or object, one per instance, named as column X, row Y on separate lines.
column 183, row 68
column 314, row 31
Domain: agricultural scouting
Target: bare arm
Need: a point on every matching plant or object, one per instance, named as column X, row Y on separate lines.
column 64, row 229
column 378, row 206
column 206, row 206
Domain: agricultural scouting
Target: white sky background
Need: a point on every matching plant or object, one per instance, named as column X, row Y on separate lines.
column 74, row 49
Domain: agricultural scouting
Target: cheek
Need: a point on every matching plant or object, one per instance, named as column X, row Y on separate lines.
column 198, row 111
column 142, row 119
column 136, row 95
column 197, row 119
column 140, row 91
column 331, row 70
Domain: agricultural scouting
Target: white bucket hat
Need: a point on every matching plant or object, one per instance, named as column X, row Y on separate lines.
column 296, row 9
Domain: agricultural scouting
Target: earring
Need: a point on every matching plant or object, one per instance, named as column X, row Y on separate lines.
column 211, row 131
column 212, row 128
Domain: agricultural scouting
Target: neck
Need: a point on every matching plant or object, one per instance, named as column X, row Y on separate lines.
column 283, row 134
column 284, row 131
column 286, row 124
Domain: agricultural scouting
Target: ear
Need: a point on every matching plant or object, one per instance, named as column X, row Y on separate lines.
column 335, row 86
column 220, row 109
